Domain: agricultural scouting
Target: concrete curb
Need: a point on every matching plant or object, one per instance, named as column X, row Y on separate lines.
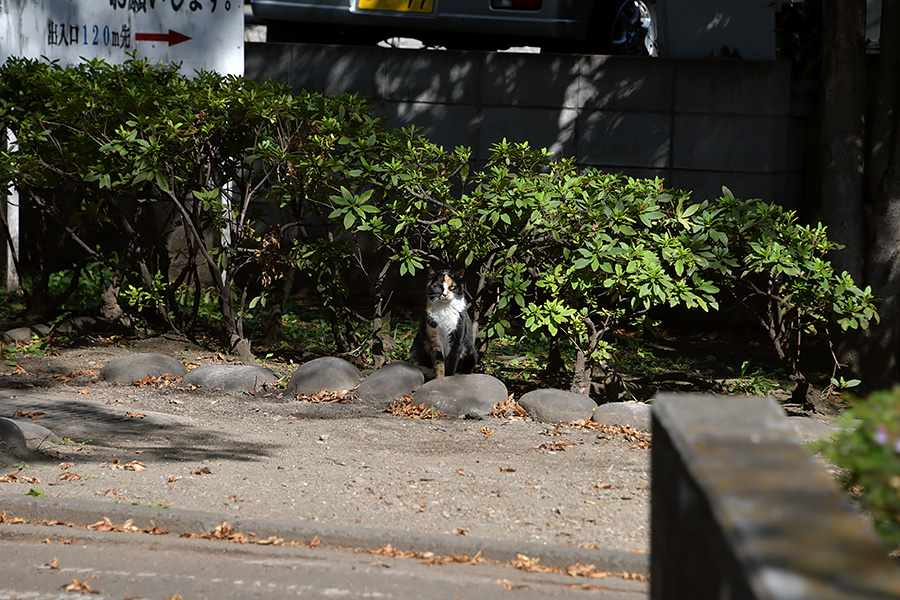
column 178, row 521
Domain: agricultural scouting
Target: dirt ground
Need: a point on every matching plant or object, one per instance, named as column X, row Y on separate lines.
column 272, row 456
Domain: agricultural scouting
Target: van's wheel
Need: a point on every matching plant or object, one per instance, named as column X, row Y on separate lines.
column 628, row 28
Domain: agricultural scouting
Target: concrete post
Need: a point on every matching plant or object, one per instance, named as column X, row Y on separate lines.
column 740, row 510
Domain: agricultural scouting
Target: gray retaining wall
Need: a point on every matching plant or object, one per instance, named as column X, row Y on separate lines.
column 740, row 511
column 699, row 124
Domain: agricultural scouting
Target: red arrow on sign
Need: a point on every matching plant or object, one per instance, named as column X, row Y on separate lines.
column 172, row 38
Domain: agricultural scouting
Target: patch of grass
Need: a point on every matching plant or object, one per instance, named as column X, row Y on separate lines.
column 753, row 381
column 519, row 357
column 36, row 346
column 71, row 442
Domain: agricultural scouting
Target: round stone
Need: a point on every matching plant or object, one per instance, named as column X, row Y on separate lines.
column 328, row 374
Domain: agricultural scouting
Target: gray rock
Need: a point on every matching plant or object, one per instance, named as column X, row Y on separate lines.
column 472, row 396
column 136, row 367
column 390, row 382
column 25, row 334
column 80, row 326
column 328, row 373
column 12, row 440
column 553, row 406
column 37, row 436
column 230, row 378
column 810, row 430
column 630, row 414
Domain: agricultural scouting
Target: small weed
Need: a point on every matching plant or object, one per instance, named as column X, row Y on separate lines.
column 841, row 385
column 71, row 442
column 35, row 347
column 36, row 492
column 756, row 383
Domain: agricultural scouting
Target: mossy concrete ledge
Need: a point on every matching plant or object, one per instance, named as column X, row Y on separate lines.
column 741, row 510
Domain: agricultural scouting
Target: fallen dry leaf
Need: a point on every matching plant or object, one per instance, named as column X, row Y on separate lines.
column 107, row 525
column 323, row 397
column 508, row 469
column 592, row 587
column 508, row 585
column 53, row 523
column 642, row 440
column 524, row 563
column 15, row 477
column 19, row 370
column 11, row 520
column 69, row 476
column 27, row 414
column 555, row 446
column 389, row 550
column 460, row 531
column 161, row 381
column 201, row 471
column 154, row 529
column 509, row 409
column 589, row 571
column 314, row 543
column 138, row 415
column 53, row 564
column 487, row 430
column 116, row 465
column 530, row 565
column 406, row 407
column 446, row 559
column 223, row 532
column 10, row 477
column 272, row 540
column 79, row 586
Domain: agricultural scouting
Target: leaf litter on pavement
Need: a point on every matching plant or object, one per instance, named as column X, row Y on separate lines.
column 226, row 532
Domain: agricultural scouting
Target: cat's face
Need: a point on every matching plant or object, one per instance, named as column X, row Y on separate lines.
column 444, row 286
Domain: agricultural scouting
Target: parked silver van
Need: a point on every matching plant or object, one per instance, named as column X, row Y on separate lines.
column 624, row 27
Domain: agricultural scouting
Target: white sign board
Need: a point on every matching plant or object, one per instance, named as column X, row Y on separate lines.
column 198, row 34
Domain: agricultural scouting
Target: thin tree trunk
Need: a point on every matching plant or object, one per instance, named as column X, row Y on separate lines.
column 843, row 96
column 382, row 341
column 878, row 347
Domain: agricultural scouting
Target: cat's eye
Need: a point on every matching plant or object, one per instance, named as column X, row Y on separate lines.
column 452, row 286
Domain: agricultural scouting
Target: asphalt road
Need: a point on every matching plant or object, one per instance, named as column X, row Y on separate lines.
column 43, row 562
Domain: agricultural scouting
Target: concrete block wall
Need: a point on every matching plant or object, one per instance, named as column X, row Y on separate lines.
column 699, row 124
column 741, row 511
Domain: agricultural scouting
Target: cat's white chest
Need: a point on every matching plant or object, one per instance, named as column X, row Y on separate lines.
column 446, row 316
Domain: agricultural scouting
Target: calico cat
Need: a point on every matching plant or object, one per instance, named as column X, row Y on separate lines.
column 445, row 342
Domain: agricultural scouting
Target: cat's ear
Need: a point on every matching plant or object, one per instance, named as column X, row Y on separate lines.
column 458, row 275
column 431, row 272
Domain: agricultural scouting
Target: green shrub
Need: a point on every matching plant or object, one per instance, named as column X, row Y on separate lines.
column 577, row 254
column 116, row 158
column 266, row 184
column 868, row 447
column 781, row 273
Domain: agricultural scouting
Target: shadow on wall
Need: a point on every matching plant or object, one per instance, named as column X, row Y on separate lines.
column 698, row 124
